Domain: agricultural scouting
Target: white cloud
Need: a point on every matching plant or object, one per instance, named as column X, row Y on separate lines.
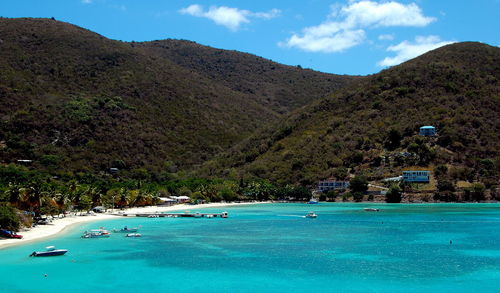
column 232, row 18
column 273, row 13
column 346, row 25
column 406, row 50
column 385, row 14
column 86, row 1
column 388, row 37
column 328, row 44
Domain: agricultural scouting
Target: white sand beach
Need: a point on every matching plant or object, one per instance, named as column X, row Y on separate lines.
column 60, row 225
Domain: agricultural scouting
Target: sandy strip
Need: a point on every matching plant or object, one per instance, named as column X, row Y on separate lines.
column 58, row 226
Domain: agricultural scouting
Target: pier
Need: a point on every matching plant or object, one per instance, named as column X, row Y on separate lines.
column 177, row 215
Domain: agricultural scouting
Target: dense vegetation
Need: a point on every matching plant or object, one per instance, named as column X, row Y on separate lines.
column 74, row 101
column 39, row 193
column 371, row 127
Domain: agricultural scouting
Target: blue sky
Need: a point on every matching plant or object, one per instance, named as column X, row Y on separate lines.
column 335, row 36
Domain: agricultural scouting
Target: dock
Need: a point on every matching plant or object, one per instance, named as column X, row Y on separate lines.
column 177, row 215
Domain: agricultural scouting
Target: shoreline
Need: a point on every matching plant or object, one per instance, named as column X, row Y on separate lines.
column 62, row 225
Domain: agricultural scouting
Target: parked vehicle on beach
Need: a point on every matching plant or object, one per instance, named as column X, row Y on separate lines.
column 9, row 234
column 50, row 251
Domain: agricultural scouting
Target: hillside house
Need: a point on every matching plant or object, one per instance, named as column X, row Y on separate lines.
column 427, row 131
column 416, row 176
column 330, row 184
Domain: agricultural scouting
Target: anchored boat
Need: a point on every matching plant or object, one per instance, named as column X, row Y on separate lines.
column 96, row 233
column 51, row 251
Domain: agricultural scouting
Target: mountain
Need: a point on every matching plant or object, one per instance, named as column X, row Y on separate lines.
column 75, row 101
column 371, row 127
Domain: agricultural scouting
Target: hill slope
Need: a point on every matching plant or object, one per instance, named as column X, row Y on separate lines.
column 281, row 88
column 365, row 126
column 74, row 100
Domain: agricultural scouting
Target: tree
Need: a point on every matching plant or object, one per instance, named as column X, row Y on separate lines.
column 393, row 195
column 393, row 139
column 358, row 184
column 85, row 203
column 9, row 219
column 357, row 196
column 445, row 185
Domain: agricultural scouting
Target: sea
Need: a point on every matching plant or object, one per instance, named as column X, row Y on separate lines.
column 274, row 248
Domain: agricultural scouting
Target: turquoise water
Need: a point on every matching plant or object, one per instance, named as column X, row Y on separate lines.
column 271, row 248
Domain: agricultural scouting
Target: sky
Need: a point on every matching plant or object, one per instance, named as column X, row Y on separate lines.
column 355, row 37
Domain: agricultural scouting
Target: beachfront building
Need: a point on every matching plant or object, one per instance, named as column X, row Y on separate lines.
column 331, row 184
column 416, row 176
column 427, row 131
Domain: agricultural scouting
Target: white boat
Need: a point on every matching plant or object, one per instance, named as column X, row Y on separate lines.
column 311, row 215
column 371, row 210
column 96, row 233
column 133, row 235
column 50, row 251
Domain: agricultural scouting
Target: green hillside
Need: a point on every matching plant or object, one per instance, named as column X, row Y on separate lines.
column 371, row 127
column 72, row 100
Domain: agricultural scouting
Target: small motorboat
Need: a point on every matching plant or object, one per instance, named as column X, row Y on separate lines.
column 311, row 215
column 51, row 251
column 371, row 210
column 96, row 233
column 126, row 230
column 133, row 235
column 224, row 215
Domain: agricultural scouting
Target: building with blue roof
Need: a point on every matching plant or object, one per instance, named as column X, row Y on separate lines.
column 428, row 131
column 416, row 176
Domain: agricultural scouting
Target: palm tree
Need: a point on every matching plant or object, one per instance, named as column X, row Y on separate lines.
column 14, row 195
column 63, row 201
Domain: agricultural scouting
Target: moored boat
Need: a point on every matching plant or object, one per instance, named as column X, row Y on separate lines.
column 313, row 201
column 96, row 233
column 51, row 251
column 133, row 235
column 126, row 230
column 371, row 209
